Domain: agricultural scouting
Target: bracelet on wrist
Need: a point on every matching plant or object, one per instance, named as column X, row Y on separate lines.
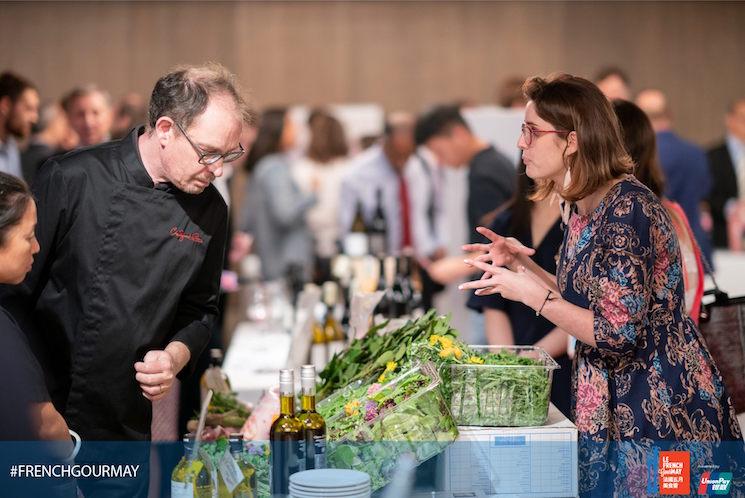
column 548, row 298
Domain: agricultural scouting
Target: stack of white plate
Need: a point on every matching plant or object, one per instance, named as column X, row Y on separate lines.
column 330, row 483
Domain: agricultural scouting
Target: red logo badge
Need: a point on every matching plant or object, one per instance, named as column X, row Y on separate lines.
column 675, row 473
column 182, row 236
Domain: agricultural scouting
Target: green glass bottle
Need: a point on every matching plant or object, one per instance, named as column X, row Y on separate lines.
column 314, row 427
column 285, row 438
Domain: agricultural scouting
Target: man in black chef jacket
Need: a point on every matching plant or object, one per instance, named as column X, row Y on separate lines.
column 123, row 294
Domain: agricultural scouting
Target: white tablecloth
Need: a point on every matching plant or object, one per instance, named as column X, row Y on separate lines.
column 254, row 358
column 730, row 272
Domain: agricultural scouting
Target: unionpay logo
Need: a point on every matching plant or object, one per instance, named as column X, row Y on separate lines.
column 715, row 483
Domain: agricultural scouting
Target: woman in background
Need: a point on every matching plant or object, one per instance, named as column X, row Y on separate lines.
column 322, row 168
column 639, row 139
column 26, row 412
column 275, row 208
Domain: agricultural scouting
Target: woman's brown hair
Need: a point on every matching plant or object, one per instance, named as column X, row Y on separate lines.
column 14, row 200
column 641, row 144
column 575, row 104
column 327, row 140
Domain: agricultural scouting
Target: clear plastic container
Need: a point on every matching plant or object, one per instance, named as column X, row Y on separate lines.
column 509, row 395
column 407, row 414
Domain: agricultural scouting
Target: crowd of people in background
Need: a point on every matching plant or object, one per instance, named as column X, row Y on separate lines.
column 322, row 184
column 300, row 202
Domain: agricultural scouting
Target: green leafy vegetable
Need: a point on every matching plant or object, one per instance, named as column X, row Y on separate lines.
column 367, row 357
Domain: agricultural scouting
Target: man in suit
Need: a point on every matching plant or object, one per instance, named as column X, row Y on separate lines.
column 727, row 164
column 684, row 164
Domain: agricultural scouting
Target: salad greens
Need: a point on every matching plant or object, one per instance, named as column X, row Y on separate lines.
column 371, row 425
column 367, row 357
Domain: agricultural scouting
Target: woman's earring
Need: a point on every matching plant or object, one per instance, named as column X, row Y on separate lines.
column 565, row 206
column 567, row 178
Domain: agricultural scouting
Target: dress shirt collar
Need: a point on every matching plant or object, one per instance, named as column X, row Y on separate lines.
column 736, row 149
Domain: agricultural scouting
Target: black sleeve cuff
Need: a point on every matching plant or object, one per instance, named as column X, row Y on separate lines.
column 195, row 336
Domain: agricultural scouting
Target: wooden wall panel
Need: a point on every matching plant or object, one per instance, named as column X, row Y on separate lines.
column 404, row 55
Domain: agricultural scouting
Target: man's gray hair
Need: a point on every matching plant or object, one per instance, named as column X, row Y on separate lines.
column 81, row 91
column 183, row 94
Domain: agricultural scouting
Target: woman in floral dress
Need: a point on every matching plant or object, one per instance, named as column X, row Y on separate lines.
column 643, row 379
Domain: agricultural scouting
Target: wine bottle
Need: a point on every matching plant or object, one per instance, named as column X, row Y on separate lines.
column 386, row 306
column 247, row 486
column 285, row 438
column 314, row 427
column 356, row 243
column 319, row 342
column 402, row 292
column 191, row 478
column 334, row 333
column 378, row 229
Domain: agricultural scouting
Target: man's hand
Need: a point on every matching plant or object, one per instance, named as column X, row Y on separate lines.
column 239, row 247
column 155, row 374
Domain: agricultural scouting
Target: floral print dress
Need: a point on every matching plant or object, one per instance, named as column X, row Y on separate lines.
column 650, row 379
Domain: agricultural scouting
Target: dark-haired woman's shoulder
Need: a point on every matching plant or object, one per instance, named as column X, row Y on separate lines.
column 25, row 381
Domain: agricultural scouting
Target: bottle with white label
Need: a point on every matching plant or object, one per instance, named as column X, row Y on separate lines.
column 314, row 427
column 244, row 474
column 191, row 478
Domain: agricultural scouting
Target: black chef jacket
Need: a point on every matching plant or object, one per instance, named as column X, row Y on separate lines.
column 125, row 267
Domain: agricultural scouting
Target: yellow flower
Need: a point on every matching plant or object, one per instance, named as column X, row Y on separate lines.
column 390, row 366
column 458, row 352
column 446, row 353
column 476, row 360
column 433, row 339
column 446, row 342
column 351, row 408
column 382, row 377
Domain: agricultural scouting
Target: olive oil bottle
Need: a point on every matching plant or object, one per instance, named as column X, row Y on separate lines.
column 314, row 427
column 285, row 438
column 191, row 478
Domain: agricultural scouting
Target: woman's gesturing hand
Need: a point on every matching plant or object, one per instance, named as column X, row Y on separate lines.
column 501, row 251
column 521, row 285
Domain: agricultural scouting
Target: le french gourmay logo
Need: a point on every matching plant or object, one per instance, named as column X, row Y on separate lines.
column 181, row 236
column 715, row 483
column 675, row 473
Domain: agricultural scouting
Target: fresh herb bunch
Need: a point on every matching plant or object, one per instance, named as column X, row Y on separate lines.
column 227, row 403
column 224, row 410
column 367, row 357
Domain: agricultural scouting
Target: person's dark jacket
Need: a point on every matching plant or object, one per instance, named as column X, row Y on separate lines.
column 723, row 188
column 125, row 267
